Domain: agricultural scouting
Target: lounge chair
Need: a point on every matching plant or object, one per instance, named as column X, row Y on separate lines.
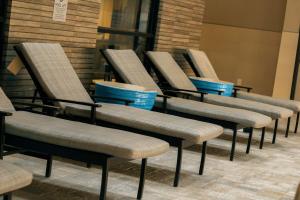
column 171, row 73
column 12, row 178
column 130, row 69
column 46, row 135
column 55, row 77
column 203, row 68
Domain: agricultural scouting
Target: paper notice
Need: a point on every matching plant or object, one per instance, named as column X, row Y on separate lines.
column 60, row 10
column 15, row 66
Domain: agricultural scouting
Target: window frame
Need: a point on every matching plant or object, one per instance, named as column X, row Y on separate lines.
column 151, row 29
column 4, row 16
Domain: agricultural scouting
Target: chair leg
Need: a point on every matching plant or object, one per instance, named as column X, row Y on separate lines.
column 263, row 132
column 104, row 180
column 88, row 165
column 49, row 166
column 275, row 132
column 233, row 144
column 203, row 157
column 297, row 122
column 249, row 140
column 178, row 165
column 288, row 128
column 7, row 196
column 142, row 179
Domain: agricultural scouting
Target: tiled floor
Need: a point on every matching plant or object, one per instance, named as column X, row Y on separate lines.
column 269, row 174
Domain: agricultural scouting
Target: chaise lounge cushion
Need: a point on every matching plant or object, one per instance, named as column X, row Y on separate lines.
column 202, row 64
column 190, row 130
column 289, row 104
column 275, row 112
column 12, row 178
column 54, row 80
column 206, row 70
column 242, row 117
column 173, row 73
column 82, row 136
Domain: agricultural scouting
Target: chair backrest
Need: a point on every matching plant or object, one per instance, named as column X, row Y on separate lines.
column 170, row 70
column 5, row 103
column 202, row 64
column 130, row 68
column 54, row 72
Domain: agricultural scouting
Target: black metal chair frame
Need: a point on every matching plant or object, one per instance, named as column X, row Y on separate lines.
column 236, row 89
column 173, row 141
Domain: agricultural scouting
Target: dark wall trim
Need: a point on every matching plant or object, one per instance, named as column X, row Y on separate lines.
column 296, row 71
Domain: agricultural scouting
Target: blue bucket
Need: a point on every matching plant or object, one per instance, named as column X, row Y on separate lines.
column 205, row 85
column 141, row 99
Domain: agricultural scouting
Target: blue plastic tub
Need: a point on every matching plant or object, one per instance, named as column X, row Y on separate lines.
column 142, row 99
column 206, row 84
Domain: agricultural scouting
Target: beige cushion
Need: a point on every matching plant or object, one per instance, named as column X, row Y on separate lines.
column 170, row 70
column 202, row 64
column 289, row 104
column 190, row 130
column 275, row 112
column 120, row 57
column 13, row 178
column 82, row 136
column 54, row 71
column 62, row 82
column 5, row 103
column 206, row 70
column 131, row 69
column 176, row 77
column 242, row 117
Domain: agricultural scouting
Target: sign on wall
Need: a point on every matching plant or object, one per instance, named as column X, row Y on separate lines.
column 60, row 10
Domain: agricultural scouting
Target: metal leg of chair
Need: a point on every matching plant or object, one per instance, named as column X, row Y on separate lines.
column 178, row 165
column 275, row 132
column 203, row 157
column 297, row 122
column 49, row 166
column 288, row 128
column 142, row 179
column 249, row 141
column 233, row 144
column 7, row 196
column 104, row 180
column 263, row 132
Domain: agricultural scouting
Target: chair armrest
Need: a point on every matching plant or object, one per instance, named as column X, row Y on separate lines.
column 126, row 101
column 165, row 101
column 235, row 90
column 243, row 87
column 5, row 113
column 34, row 105
column 93, row 106
column 186, row 92
column 220, row 92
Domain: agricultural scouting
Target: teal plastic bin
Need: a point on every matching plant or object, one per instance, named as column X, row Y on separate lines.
column 207, row 85
column 141, row 98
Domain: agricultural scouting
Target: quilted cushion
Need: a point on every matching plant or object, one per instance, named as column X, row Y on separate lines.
column 242, row 117
column 289, row 104
column 190, row 130
column 83, row 136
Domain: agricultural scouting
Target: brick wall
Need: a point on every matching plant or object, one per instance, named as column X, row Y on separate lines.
column 179, row 27
column 31, row 20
